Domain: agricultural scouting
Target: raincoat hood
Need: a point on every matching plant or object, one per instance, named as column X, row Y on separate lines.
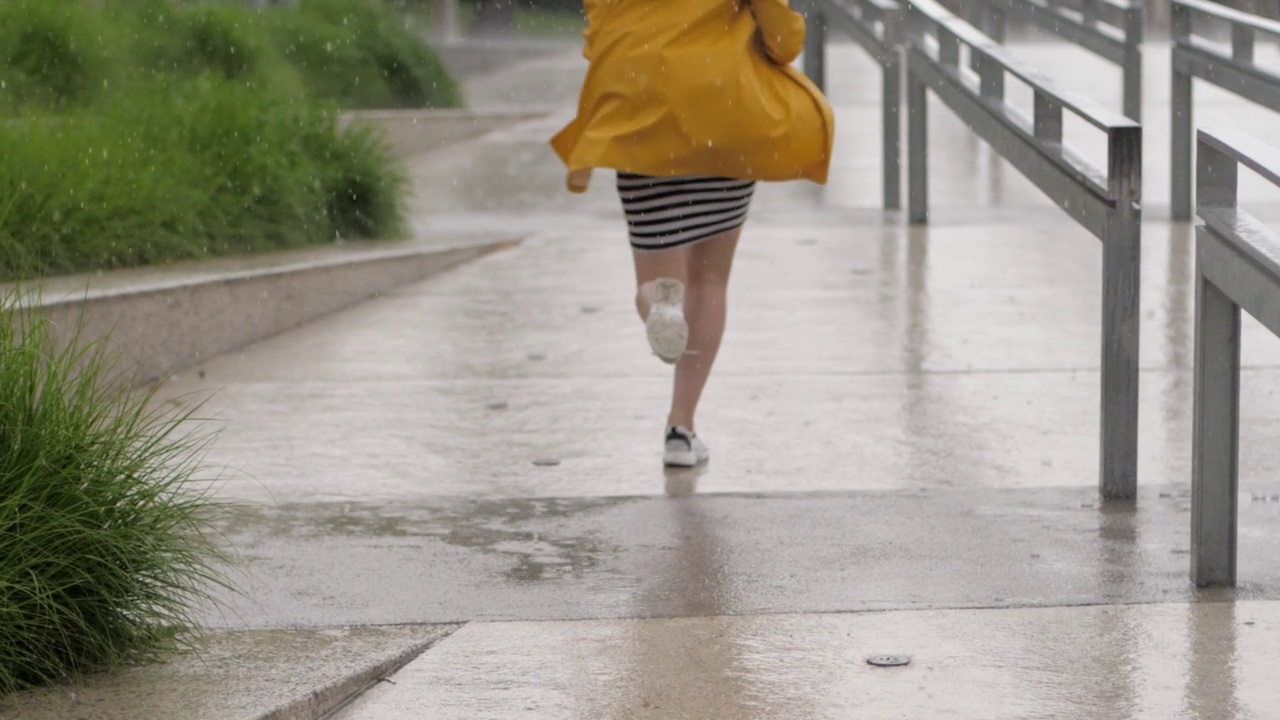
column 698, row 87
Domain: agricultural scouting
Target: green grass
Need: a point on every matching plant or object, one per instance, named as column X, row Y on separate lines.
column 359, row 54
column 51, row 54
column 359, row 58
column 356, row 53
column 187, row 170
column 148, row 133
column 227, row 42
column 105, row 511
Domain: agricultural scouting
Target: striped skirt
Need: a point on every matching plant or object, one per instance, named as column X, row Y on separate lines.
column 664, row 213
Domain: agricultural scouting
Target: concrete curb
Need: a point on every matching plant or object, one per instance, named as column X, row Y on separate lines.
column 294, row 674
column 413, row 132
column 165, row 325
column 324, row 702
column 466, row 59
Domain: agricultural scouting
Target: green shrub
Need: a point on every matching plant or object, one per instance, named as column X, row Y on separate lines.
column 51, row 54
column 225, row 41
column 82, row 193
column 330, row 62
column 105, row 542
column 359, row 54
column 362, row 198
column 150, row 32
column 222, row 40
column 150, row 132
column 412, row 71
column 356, row 53
column 175, row 171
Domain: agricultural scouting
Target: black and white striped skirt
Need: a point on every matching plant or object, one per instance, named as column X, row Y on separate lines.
column 664, row 213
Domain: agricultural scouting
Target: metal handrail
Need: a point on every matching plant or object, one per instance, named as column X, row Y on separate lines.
column 875, row 25
column 1237, row 267
column 1230, row 68
column 983, row 46
column 1106, row 201
column 1111, row 29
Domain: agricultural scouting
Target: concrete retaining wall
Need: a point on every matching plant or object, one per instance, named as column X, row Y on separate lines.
column 169, row 318
column 472, row 58
column 412, row 132
column 169, row 325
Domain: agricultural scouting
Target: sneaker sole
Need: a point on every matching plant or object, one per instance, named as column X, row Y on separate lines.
column 666, row 328
column 684, row 460
column 668, row 335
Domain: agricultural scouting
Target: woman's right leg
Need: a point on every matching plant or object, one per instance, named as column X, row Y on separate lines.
column 703, row 271
column 707, row 283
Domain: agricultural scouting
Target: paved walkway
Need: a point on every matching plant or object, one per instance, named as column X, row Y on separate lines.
column 903, row 420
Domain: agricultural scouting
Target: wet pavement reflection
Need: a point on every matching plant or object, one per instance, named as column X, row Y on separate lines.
column 459, row 559
column 904, row 427
column 1085, row 663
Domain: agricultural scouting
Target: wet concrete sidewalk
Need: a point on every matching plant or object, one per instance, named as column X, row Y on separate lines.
column 903, row 420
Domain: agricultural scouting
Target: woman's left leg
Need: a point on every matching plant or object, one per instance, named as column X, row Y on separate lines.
column 660, row 279
column 654, row 265
column 706, row 302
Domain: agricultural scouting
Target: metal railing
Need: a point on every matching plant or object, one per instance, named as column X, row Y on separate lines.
column 1237, row 266
column 1110, row 29
column 1230, row 68
column 1104, row 200
column 875, row 25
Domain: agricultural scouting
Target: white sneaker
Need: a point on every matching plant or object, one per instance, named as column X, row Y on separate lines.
column 666, row 327
column 684, row 449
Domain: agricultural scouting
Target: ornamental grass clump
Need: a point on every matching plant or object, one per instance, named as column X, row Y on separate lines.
column 360, row 55
column 142, row 132
column 106, row 549
column 51, row 54
column 188, row 170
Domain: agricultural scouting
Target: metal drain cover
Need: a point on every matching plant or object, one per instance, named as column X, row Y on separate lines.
column 888, row 660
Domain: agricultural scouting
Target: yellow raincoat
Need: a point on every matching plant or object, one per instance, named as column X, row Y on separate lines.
column 697, row 87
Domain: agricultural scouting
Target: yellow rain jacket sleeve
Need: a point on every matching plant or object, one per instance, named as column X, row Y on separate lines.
column 698, row 87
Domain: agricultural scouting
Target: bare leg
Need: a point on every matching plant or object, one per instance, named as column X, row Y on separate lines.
column 706, row 294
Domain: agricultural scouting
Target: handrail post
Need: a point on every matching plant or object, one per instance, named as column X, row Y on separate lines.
column 1088, row 13
column 948, row 48
column 446, row 18
column 990, row 20
column 1215, row 463
column 1085, row 22
column 876, row 26
column 1182, row 121
column 1234, row 68
column 990, row 76
column 1135, row 28
column 1112, row 213
column 1048, row 119
column 1121, row 298
column 1241, row 43
column 891, row 113
column 815, row 43
column 917, row 150
column 997, row 22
